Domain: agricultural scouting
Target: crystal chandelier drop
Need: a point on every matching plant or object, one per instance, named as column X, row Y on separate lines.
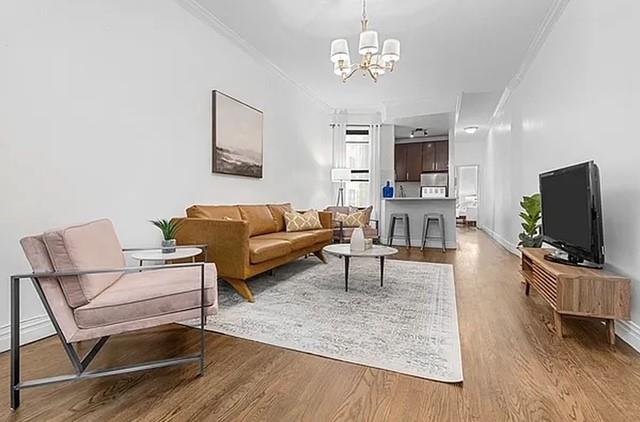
column 371, row 63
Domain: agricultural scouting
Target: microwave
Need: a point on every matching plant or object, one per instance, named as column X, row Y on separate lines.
column 433, row 192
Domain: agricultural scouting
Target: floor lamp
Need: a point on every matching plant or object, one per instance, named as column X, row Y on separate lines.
column 340, row 175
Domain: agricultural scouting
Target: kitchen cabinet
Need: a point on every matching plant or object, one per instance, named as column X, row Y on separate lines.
column 428, row 156
column 414, row 162
column 442, row 156
column 401, row 162
column 415, row 158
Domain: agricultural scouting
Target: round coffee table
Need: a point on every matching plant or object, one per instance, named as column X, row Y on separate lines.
column 158, row 255
column 343, row 250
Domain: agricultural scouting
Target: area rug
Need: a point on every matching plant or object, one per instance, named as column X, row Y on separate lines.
column 408, row 326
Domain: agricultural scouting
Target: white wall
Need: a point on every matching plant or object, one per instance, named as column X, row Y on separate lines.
column 577, row 102
column 105, row 111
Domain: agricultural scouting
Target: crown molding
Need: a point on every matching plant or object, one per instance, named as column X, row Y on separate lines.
column 205, row 15
column 547, row 26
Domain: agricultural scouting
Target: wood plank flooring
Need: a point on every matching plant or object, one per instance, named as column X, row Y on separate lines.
column 515, row 369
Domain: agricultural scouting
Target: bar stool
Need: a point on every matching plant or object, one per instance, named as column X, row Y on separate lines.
column 437, row 218
column 405, row 219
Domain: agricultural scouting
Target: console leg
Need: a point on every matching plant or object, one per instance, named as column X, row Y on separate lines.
column 611, row 331
column 557, row 318
column 527, row 288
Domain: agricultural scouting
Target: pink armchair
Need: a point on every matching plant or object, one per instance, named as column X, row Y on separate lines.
column 341, row 233
column 80, row 275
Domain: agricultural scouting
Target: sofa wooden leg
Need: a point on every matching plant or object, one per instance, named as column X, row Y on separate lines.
column 241, row 287
column 320, row 256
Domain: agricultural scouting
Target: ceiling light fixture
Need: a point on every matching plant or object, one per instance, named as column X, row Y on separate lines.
column 371, row 63
column 415, row 132
column 471, row 129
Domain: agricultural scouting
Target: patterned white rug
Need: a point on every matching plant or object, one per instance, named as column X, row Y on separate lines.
column 409, row 326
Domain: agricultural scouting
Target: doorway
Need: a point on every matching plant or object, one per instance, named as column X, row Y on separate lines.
column 467, row 194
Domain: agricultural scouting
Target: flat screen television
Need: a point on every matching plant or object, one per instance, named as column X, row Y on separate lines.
column 572, row 215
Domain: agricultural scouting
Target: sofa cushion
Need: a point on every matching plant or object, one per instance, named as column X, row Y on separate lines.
column 298, row 240
column 259, row 217
column 356, row 219
column 296, row 221
column 215, row 212
column 322, row 235
column 278, row 211
column 147, row 294
column 93, row 245
column 261, row 250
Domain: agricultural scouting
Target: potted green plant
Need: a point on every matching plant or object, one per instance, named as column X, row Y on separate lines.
column 169, row 228
column 531, row 216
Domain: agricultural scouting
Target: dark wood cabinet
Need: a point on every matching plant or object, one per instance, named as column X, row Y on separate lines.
column 428, row 156
column 401, row 162
column 442, row 156
column 412, row 159
column 414, row 162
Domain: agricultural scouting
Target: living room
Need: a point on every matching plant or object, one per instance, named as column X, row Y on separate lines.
column 115, row 113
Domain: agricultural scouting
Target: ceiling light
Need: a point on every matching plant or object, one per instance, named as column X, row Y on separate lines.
column 471, row 129
column 371, row 63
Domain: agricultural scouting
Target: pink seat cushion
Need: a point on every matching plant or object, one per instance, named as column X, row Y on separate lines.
column 147, row 294
column 89, row 246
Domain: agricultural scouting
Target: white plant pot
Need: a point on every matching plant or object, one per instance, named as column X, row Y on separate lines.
column 169, row 246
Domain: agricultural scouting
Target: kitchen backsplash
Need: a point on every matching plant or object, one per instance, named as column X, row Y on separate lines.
column 411, row 189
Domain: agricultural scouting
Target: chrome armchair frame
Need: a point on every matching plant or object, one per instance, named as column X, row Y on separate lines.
column 80, row 364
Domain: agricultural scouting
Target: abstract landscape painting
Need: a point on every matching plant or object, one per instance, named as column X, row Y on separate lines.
column 237, row 137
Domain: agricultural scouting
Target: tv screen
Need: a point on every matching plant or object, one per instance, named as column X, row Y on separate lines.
column 571, row 216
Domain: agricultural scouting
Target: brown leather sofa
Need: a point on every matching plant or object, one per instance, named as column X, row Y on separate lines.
column 246, row 240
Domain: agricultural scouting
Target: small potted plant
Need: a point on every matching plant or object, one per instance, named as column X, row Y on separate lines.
column 531, row 215
column 169, row 228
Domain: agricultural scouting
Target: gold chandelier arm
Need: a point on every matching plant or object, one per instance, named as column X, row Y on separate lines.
column 346, row 76
column 373, row 76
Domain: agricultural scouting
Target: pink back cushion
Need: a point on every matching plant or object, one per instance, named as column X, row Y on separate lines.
column 38, row 257
column 93, row 245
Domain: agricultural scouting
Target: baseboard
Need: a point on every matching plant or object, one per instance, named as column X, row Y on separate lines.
column 629, row 331
column 31, row 329
column 501, row 240
column 417, row 243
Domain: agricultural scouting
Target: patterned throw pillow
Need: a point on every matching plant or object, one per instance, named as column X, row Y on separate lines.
column 356, row 219
column 295, row 221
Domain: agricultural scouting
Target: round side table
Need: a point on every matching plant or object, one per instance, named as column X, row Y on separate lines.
column 157, row 255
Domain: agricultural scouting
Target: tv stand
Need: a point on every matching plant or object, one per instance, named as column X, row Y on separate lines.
column 576, row 291
column 562, row 257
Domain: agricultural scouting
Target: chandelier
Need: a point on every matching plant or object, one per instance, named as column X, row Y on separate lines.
column 371, row 63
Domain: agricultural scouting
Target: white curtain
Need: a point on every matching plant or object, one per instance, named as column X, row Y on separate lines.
column 375, row 185
column 339, row 136
column 339, row 143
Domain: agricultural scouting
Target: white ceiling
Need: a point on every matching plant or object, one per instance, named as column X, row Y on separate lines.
column 476, row 109
column 448, row 46
column 435, row 124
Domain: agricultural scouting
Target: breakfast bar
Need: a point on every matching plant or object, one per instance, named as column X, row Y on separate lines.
column 416, row 208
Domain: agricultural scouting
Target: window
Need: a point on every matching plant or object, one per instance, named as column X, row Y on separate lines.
column 357, row 155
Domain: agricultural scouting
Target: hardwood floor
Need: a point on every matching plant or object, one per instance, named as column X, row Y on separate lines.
column 514, row 367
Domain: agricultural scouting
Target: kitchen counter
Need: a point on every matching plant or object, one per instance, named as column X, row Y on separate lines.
column 416, row 198
column 416, row 208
